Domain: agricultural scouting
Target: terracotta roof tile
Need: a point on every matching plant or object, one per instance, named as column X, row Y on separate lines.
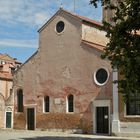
column 6, row 57
column 5, row 75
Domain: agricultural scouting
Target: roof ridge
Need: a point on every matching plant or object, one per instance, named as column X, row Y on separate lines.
column 83, row 18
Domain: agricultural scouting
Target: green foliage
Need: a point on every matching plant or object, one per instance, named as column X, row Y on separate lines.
column 123, row 49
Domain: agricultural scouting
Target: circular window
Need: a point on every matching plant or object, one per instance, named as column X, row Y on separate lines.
column 101, row 76
column 60, row 26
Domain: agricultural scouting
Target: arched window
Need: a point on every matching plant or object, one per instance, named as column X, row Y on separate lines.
column 20, row 100
column 70, row 103
column 46, row 104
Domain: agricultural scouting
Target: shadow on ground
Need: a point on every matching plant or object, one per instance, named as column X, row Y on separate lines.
column 67, row 138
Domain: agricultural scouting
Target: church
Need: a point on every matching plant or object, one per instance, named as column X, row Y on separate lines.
column 65, row 85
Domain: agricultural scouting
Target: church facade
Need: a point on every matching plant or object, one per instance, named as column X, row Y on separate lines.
column 65, row 85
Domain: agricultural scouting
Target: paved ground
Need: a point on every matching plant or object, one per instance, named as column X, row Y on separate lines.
column 42, row 135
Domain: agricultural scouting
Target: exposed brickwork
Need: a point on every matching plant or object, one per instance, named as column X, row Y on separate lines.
column 62, row 66
column 122, row 113
column 19, row 121
column 58, row 120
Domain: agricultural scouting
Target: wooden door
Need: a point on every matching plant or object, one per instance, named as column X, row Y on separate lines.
column 30, row 118
column 8, row 119
column 102, row 120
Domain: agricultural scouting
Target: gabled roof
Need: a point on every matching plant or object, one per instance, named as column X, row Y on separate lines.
column 6, row 57
column 82, row 18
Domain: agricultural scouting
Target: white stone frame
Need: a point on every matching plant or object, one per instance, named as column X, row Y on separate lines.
column 63, row 29
column 94, row 76
column 30, row 106
column 101, row 103
column 43, row 106
column 67, row 104
column 6, row 110
column 129, row 116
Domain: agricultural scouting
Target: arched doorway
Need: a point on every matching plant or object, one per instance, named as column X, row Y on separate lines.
column 9, row 116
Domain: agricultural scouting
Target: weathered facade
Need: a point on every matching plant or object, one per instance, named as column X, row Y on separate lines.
column 7, row 66
column 58, row 87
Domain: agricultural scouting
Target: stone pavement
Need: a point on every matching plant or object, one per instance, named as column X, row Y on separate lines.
column 43, row 135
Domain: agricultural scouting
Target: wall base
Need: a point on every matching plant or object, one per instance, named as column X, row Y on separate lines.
column 115, row 126
column 126, row 129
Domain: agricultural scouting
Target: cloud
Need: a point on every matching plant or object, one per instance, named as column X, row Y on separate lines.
column 18, row 43
column 26, row 12
column 35, row 12
column 20, row 20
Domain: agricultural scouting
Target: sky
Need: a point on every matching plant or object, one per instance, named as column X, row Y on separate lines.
column 20, row 20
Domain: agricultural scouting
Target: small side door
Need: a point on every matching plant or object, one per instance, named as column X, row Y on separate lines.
column 102, row 120
column 30, row 118
column 8, row 119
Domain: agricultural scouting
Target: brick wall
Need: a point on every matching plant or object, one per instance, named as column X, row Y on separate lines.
column 62, row 66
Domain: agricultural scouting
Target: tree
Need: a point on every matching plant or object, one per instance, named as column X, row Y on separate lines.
column 123, row 49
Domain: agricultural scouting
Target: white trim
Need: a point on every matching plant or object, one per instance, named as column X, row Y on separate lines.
column 11, row 117
column 101, row 103
column 132, row 116
column 28, row 105
column 129, row 116
column 43, row 106
column 67, row 104
column 62, row 30
column 95, row 80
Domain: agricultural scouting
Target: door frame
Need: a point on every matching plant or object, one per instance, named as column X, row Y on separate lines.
column 9, row 109
column 28, row 107
column 101, row 103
